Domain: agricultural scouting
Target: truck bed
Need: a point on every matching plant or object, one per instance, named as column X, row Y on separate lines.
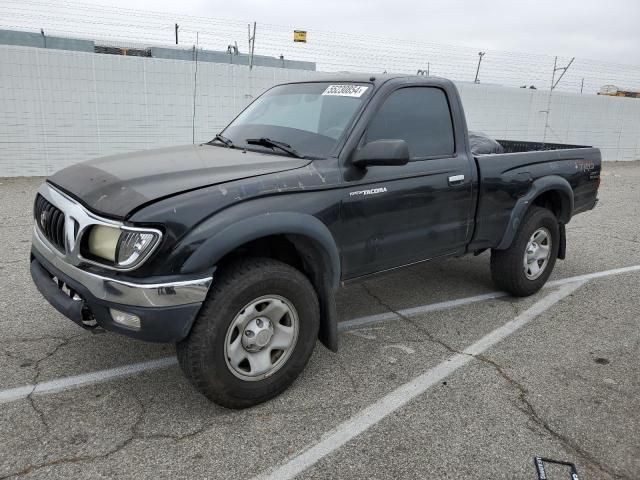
column 505, row 178
column 518, row 146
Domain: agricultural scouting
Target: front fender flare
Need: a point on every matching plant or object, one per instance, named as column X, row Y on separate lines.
column 326, row 277
column 255, row 227
column 538, row 187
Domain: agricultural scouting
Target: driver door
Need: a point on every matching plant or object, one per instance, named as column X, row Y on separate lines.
column 397, row 215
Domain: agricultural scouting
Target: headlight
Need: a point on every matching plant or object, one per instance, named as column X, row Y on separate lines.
column 103, row 242
column 123, row 247
column 134, row 246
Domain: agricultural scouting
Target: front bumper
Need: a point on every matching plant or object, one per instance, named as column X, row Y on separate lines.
column 166, row 308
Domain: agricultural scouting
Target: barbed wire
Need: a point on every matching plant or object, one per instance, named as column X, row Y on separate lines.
column 331, row 51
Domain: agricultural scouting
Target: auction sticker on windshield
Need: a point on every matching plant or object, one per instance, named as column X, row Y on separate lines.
column 345, row 90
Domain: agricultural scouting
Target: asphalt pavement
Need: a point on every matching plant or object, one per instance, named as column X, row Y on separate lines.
column 438, row 375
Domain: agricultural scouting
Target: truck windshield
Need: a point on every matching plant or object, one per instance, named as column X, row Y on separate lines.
column 309, row 118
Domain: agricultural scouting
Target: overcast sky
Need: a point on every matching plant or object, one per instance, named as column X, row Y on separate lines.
column 400, row 36
column 602, row 30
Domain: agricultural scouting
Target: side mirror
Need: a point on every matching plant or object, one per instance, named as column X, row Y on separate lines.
column 382, row 152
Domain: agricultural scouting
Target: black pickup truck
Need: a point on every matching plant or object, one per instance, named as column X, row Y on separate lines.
column 234, row 249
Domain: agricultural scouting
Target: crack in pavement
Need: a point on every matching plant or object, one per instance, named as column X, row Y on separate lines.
column 137, row 434
column 86, row 458
column 388, row 308
column 36, row 378
column 527, row 409
column 36, row 365
column 37, row 339
column 535, row 417
column 429, row 336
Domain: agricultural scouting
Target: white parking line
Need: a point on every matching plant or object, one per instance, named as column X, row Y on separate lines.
column 591, row 276
column 409, row 312
column 13, row 394
column 371, row 415
column 52, row 386
column 434, row 307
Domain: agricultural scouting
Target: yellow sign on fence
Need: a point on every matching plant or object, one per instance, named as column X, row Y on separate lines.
column 300, row 36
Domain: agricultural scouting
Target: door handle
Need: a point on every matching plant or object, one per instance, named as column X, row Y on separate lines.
column 456, row 179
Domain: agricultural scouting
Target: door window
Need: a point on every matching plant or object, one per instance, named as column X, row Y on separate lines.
column 418, row 115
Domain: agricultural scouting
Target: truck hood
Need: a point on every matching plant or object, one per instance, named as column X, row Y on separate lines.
column 116, row 185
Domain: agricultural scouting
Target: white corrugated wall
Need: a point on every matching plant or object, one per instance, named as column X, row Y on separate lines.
column 59, row 107
column 609, row 123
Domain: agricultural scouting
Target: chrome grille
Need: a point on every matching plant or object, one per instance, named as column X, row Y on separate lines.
column 50, row 221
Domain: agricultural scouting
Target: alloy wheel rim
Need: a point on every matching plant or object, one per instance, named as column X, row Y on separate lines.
column 537, row 253
column 261, row 337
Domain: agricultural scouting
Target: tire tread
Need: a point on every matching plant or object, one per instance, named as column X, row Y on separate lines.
column 506, row 265
column 193, row 350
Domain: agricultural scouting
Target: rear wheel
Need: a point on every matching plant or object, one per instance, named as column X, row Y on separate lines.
column 524, row 267
column 254, row 334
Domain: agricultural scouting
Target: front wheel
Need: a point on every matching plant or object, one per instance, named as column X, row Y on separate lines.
column 524, row 267
column 253, row 335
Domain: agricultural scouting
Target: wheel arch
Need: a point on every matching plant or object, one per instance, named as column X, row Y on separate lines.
column 300, row 240
column 552, row 192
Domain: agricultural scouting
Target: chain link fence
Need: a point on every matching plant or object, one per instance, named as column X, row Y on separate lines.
column 330, row 51
column 106, row 80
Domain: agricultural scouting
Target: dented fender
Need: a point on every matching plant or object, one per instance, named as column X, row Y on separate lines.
column 538, row 187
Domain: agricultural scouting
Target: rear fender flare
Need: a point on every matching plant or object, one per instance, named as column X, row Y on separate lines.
column 538, row 187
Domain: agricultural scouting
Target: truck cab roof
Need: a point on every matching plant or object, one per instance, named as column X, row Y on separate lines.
column 378, row 79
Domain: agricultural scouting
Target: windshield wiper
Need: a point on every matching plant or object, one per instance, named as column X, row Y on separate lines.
column 222, row 139
column 267, row 142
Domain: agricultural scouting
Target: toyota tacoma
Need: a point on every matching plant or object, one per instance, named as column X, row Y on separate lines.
column 234, row 249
